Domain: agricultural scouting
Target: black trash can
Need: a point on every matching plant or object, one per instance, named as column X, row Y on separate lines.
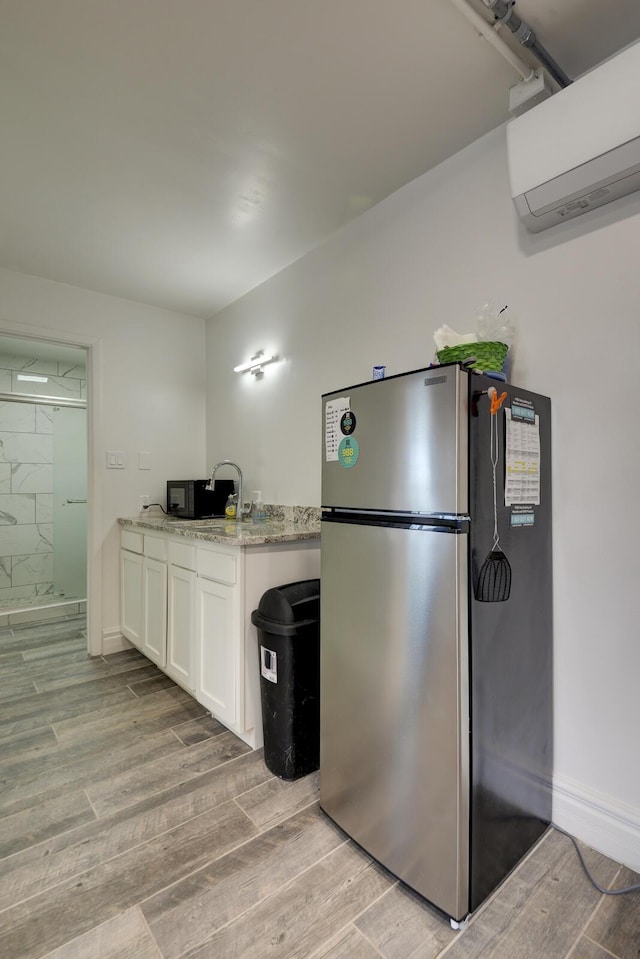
column 288, row 621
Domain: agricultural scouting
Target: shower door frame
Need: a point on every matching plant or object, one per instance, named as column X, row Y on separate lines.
column 55, row 403
column 93, row 347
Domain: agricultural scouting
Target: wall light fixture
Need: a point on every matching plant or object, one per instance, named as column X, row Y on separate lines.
column 255, row 364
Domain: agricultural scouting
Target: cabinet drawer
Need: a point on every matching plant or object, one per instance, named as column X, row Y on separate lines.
column 218, row 566
column 131, row 541
column 181, row 554
column 155, row 548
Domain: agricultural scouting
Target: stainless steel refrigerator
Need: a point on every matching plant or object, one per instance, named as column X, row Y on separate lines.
column 436, row 696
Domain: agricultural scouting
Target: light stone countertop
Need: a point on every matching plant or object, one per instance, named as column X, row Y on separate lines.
column 284, row 524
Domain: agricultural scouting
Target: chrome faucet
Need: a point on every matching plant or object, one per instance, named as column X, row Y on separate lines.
column 239, row 508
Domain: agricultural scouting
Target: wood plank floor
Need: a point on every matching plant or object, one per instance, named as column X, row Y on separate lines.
column 134, row 826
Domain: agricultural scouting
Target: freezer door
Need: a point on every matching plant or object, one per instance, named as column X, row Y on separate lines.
column 398, row 444
column 394, row 754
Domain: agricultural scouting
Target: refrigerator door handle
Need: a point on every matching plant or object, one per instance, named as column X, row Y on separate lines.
column 464, row 727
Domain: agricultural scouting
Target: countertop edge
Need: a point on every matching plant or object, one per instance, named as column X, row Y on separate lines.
column 274, row 533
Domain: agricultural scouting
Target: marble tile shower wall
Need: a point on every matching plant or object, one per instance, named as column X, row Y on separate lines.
column 26, row 477
column 65, row 379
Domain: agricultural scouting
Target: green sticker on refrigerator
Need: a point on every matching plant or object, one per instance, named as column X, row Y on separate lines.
column 348, row 452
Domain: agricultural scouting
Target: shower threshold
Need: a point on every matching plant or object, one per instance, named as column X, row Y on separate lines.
column 45, row 607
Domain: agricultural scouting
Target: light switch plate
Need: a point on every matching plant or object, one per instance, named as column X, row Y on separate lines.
column 115, row 460
column 144, row 460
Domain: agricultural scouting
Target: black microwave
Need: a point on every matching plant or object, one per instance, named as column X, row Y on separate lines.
column 189, row 499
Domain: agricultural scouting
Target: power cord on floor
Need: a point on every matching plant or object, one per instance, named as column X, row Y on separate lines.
column 606, row 892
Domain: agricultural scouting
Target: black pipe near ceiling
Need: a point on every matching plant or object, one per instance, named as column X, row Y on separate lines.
column 525, row 35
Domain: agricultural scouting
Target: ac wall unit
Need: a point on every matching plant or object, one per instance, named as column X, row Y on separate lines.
column 579, row 149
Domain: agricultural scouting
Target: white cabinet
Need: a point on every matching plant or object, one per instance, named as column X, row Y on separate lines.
column 181, row 626
column 143, row 593
column 131, row 587
column 181, row 613
column 218, row 644
column 217, row 638
column 187, row 605
column 154, row 602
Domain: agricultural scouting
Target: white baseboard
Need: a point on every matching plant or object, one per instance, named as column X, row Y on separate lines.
column 114, row 642
column 610, row 827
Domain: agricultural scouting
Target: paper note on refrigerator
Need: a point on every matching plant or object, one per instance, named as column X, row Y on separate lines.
column 522, row 455
column 333, row 413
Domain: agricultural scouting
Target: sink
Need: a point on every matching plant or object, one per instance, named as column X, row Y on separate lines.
column 207, row 526
column 227, row 526
column 217, row 525
column 196, row 524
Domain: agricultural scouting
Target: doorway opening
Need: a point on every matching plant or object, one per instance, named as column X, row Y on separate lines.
column 43, row 480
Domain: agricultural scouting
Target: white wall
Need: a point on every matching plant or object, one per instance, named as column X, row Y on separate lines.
column 374, row 294
column 148, row 396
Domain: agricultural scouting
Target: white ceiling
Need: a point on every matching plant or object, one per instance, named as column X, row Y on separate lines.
column 180, row 153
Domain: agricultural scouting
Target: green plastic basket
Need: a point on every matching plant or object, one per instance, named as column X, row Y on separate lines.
column 489, row 355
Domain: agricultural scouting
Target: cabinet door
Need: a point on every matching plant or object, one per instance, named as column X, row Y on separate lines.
column 180, row 631
column 154, row 590
column 218, row 627
column 131, row 596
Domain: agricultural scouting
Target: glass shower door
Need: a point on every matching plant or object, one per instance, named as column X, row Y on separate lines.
column 70, row 502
